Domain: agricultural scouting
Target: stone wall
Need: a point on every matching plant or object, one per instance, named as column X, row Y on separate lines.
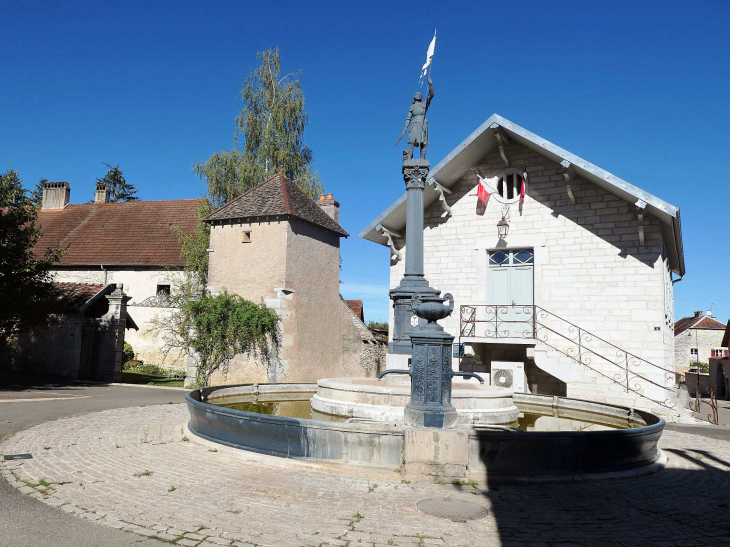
column 589, row 267
column 702, row 339
column 293, row 266
column 140, row 283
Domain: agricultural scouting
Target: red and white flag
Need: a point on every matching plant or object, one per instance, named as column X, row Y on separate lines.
column 522, row 187
column 484, row 188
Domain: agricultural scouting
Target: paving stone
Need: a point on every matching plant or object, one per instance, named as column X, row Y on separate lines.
column 284, row 503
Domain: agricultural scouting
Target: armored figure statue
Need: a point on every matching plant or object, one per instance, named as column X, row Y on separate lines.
column 416, row 118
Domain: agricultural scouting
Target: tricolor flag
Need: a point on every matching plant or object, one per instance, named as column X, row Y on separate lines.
column 429, row 56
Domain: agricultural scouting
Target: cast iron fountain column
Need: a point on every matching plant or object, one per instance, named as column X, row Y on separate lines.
column 417, row 307
column 415, row 172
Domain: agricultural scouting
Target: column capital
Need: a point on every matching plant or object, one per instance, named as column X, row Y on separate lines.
column 415, row 173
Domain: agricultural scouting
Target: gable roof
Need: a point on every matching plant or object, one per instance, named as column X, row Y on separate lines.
column 697, row 322
column 74, row 295
column 130, row 233
column 273, row 197
column 456, row 164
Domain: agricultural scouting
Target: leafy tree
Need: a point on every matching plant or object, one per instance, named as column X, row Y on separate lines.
column 119, row 188
column 27, row 295
column 377, row 325
column 195, row 245
column 216, row 328
column 268, row 137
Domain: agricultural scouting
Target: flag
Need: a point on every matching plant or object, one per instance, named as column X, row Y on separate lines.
column 483, row 190
column 429, row 56
column 522, row 188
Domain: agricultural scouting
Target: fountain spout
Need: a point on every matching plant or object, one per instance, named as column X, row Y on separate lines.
column 396, row 371
column 468, row 375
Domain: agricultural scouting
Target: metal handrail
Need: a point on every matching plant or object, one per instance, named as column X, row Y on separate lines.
column 537, row 323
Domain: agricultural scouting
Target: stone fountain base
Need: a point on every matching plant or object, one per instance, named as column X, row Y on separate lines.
column 371, row 399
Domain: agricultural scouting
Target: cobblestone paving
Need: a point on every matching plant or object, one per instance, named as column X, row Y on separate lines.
column 133, row 469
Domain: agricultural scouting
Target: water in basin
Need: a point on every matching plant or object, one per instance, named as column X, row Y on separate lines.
column 530, row 418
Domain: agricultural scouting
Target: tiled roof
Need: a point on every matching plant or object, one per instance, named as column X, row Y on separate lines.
column 131, row 233
column 74, row 295
column 694, row 322
column 276, row 196
column 356, row 307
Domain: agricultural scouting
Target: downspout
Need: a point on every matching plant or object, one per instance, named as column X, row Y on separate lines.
column 106, row 273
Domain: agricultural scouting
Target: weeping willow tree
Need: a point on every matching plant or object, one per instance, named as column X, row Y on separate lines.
column 268, row 137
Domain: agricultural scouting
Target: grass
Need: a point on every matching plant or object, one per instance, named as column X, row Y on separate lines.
column 150, row 379
column 145, row 473
column 172, row 488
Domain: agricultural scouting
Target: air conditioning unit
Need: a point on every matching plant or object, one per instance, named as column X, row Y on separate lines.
column 509, row 374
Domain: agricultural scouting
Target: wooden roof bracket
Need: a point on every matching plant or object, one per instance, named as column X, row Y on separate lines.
column 442, row 197
column 640, row 206
column 565, row 164
column 502, row 139
column 397, row 253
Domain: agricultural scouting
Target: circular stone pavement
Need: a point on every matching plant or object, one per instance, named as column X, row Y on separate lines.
column 134, row 469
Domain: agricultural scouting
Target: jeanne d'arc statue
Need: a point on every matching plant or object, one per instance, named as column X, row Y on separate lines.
column 418, row 135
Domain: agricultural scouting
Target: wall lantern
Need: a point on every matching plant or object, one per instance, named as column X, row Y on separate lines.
column 503, row 228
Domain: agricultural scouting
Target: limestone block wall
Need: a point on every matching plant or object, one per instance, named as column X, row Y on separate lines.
column 702, row 339
column 589, row 267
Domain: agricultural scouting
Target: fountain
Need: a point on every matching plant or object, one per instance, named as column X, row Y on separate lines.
column 427, row 424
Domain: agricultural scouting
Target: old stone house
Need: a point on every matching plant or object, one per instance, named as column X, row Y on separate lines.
column 131, row 243
column 85, row 339
column 275, row 244
column 696, row 339
column 574, row 296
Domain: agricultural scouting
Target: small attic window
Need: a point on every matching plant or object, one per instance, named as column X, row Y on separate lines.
column 246, row 236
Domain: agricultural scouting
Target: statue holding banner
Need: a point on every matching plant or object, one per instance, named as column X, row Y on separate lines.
column 416, row 119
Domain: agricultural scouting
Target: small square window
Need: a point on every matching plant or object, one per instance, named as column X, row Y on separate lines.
column 246, row 236
column 498, row 257
column 163, row 289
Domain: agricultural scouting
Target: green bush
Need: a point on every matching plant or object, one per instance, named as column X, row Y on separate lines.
column 128, row 353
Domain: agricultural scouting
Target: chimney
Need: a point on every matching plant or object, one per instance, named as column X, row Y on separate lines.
column 330, row 206
column 102, row 193
column 55, row 195
column 698, row 313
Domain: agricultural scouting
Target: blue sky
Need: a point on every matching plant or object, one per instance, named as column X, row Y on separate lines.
column 639, row 88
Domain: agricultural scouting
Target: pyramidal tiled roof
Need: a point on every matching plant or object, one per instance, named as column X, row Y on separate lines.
column 276, row 196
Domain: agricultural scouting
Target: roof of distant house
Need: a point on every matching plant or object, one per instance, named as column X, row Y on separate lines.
column 129, row 233
column 275, row 197
column 74, row 296
column 356, row 307
column 697, row 322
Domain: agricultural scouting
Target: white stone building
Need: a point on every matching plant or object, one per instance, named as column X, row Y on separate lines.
column 132, row 243
column 576, row 299
column 696, row 339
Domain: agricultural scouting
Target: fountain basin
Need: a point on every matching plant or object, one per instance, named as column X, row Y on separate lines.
column 372, row 399
column 481, row 453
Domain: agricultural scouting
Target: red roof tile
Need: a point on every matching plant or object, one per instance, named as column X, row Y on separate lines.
column 130, row 233
column 74, row 295
column 356, row 307
column 276, row 196
column 696, row 322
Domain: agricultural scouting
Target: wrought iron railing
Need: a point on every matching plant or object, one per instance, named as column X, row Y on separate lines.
column 530, row 321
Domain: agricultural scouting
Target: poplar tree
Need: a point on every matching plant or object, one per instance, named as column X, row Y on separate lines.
column 268, row 137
